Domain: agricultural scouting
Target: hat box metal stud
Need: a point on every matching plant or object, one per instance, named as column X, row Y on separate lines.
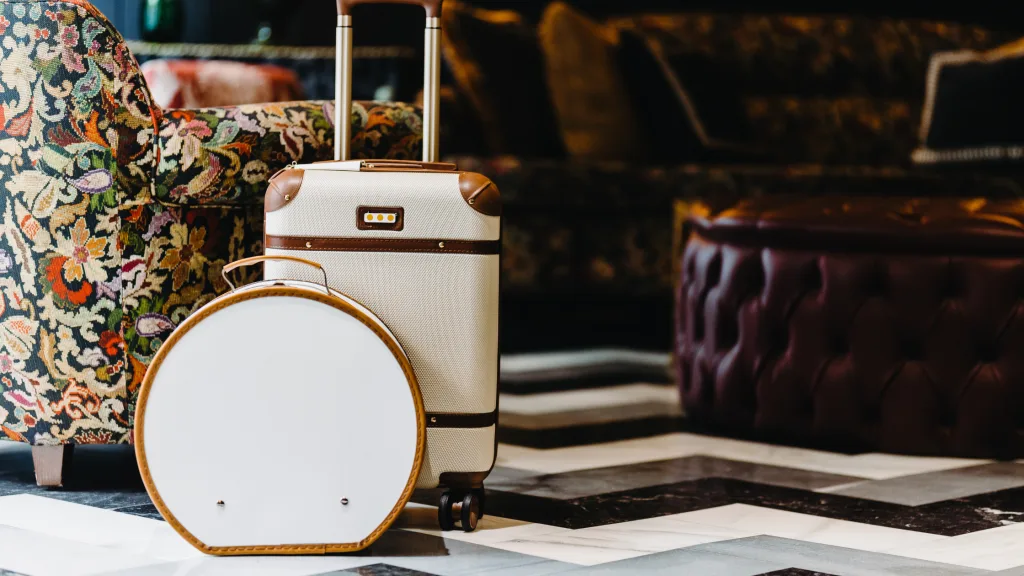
column 283, row 398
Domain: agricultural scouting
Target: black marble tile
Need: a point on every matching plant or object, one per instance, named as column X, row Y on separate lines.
column 952, row 518
column 590, row 434
column 795, row 572
column 582, row 483
column 143, row 510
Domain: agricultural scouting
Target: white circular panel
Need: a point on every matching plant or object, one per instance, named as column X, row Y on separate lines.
column 294, row 414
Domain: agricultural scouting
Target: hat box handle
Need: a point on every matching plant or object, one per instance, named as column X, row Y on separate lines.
column 261, row 259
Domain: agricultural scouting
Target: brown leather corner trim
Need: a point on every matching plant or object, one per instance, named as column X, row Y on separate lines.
column 438, row 420
column 481, row 247
column 288, row 549
column 396, row 225
column 480, row 193
column 284, row 187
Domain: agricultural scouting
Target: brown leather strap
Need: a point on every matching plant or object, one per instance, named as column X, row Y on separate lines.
column 436, row 420
column 228, row 268
column 483, row 247
column 433, row 7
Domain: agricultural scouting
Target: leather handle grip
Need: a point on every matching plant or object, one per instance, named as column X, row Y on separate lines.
column 433, row 7
column 228, row 268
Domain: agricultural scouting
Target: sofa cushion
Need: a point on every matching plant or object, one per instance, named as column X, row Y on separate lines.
column 972, row 112
column 588, row 87
column 495, row 58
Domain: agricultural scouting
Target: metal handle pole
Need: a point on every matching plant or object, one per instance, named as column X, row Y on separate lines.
column 343, row 91
column 432, row 91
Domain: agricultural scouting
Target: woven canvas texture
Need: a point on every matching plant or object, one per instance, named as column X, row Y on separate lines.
column 327, row 204
column 443, row 308
column 456, row 450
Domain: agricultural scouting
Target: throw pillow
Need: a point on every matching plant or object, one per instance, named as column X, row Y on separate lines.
column 972, row 110
column 497, row 64
column 686, row 110
column 588, row 87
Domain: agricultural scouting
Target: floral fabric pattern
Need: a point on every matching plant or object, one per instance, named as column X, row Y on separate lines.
column 117, row 218
column 227, row 155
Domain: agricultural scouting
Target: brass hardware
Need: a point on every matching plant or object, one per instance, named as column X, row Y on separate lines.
column 344, row 501
column 440, row 244
column 220, row 503
column 288, row 198
column 433, row 419
column 309, row 244
column 471, row 200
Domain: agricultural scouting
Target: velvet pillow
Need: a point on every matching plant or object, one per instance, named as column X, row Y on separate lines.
column 972, row 110
column 588, row 87
column 495, row 59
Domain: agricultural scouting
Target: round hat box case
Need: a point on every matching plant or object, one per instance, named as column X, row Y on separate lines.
column 281, row 418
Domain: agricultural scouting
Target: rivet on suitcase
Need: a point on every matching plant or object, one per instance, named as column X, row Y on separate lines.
column 419, row 244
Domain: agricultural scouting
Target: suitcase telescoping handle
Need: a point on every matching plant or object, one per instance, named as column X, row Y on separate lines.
column 432, row 78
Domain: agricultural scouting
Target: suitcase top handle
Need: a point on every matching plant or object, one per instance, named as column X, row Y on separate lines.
column 431, row 78
column 433, row 7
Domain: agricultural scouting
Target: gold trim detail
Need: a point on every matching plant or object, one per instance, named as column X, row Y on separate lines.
column 291, row 549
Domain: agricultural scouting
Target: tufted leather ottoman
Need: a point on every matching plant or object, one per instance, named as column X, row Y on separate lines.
column 858, row 324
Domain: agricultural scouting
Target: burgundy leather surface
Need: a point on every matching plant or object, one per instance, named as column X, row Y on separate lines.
column 874, row 327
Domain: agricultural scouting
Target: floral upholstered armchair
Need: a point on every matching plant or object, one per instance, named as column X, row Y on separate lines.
column 116, row 217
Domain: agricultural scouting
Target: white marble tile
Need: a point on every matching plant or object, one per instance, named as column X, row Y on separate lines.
column 95, row 527
column 590, row 399
column 995, row 549
column 807, row 528
column 597, row 545
column 678, row 445
column 37, row 554
column 515, row 364
column 423, row 519
column 249, row 566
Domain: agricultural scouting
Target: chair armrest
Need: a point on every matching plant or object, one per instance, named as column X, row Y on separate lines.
column 225, row 156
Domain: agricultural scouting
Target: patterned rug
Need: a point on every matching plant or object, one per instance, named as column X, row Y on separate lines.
column 596, row 474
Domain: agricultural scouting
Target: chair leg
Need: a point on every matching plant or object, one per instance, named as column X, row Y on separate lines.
column 52, row 464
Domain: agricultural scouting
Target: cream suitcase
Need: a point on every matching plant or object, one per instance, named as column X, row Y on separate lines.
column 418, row 243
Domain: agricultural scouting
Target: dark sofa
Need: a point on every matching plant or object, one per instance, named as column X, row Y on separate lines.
column 729, row 106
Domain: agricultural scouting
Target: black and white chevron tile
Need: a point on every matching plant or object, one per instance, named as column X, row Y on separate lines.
column 597, row 474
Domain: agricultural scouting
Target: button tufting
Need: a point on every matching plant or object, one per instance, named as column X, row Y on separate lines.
column 812, row 278
column 912, row 350
column 714, row 272
column 988, row 354
column 727, row 331
column 878, row 285
column 840, row 346
column 932, row 312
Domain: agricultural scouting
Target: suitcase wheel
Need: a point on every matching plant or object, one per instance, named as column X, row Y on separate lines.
column 465, row 508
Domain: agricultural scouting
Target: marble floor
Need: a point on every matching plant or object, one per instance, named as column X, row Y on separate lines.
column 597, row 473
